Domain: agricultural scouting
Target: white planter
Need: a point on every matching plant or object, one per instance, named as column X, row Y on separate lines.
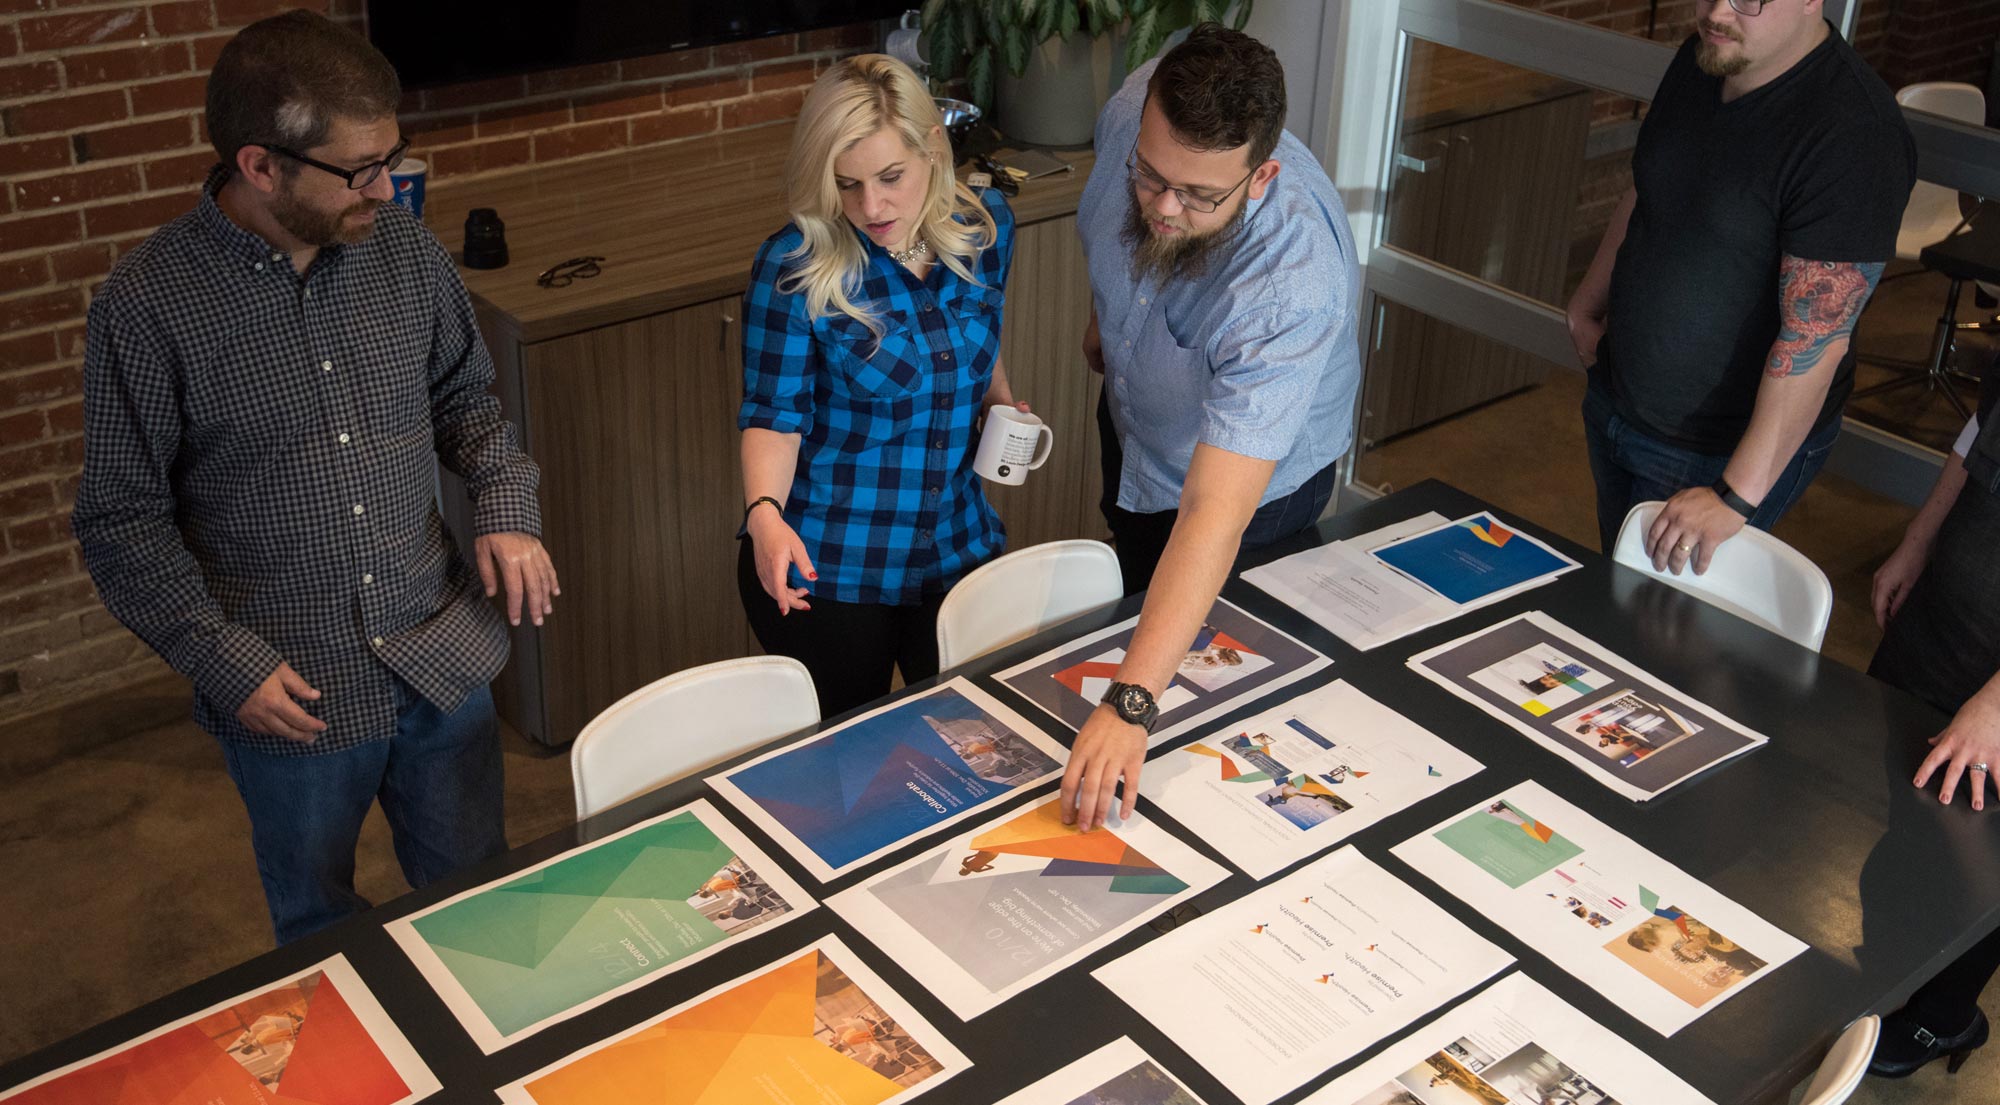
column 1055, row 103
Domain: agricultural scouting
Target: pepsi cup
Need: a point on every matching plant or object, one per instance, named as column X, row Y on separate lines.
column 408, row 179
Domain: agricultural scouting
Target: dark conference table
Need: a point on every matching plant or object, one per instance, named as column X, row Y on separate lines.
column 1819, row 832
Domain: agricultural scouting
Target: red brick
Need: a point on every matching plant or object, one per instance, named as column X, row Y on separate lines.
column 569, row 80
column 38, row 309
column 22, row 427
column 854, row 36
column 34, row 155
column 40, row 568
column 39, row 533
column 68, row 31
column 763, row 109
column 26, row 351
column 475, row 93
column 66, row 418
column 70, row 339
column 479, row 157
column 47, row 602
column 442, row 130
column 522, row 118
column 577, row 141
column 25, row 499
column 35, row 78
column 84, row 262
column 29, row 389
column 183, row 18
column 209, row 47
column 129, row 64
column 616, row 105
column 669, row 125
column 235, row 13
column 757, row 49
column 783, row 74
column 22, row 273
column 78, row 187
column 64, row 112
column 151, row 136
column 701, row 90
column 675, row 64
column 181, row 171
column 177, row 94
column 40, row 230
column 145, row 214
column 44, row 458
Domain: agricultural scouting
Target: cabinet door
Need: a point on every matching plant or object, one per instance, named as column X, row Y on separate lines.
column 1041, row 342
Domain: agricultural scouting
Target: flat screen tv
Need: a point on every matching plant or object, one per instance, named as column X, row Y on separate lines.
column 436, row 42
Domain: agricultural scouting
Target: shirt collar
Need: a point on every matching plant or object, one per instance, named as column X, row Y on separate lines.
column 243, row 244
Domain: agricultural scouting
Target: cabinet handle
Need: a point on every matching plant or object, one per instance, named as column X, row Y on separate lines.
column 1415, row 164
column 722, row 339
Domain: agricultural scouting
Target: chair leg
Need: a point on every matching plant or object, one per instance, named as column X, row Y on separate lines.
column 1937, row 374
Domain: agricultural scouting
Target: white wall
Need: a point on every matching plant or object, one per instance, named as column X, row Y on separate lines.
column 1294, row 28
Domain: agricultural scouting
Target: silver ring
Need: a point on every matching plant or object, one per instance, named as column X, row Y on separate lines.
column 1979, row 767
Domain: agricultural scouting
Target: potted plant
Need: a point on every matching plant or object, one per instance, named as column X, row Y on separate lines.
column 1043, row 68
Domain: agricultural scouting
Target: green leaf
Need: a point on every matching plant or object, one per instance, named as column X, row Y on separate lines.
column 928, row 17
column 1142, row 39
column 1016, row 45
column 1205, row 11
column 1051, row 18
column 1242, row 15
column 996, row 26
column 980, row 75
column 1024, row 11
column 969, row 37
column 944, row 49
column 1072, row 19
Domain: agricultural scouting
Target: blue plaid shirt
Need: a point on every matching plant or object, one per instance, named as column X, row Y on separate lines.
column 885, row 497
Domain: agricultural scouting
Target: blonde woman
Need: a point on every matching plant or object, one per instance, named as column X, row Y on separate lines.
column 871, row 350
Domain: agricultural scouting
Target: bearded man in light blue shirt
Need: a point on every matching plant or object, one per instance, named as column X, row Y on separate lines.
column 1223, row 290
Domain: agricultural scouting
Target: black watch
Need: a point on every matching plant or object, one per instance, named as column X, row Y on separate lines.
column 1732, row 500
column 1134, row 704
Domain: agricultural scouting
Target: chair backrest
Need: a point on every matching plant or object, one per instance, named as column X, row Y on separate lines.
column 1840, row 1073
column 685, row 722
column 1753, row 575
column 1022, row 593
column 1933, row 209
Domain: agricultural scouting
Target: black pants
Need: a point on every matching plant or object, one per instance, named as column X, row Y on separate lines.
column 850, row 648
column 1943, row 646
column 1140, row 538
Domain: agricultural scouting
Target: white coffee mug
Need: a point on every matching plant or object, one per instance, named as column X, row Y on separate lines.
column 1013, row 444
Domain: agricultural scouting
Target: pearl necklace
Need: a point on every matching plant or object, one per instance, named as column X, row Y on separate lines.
column 905, row 256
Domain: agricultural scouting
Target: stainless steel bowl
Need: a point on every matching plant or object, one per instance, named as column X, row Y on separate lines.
column 959, row 119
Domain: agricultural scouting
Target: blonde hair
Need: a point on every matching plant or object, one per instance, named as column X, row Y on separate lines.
column 851, row 101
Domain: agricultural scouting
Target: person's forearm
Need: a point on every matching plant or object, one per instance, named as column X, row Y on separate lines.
column 1593, row 295
column 770, row 459
column 1924, row 527
column 1785, row 412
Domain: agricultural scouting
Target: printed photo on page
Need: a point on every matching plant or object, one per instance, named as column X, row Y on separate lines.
column 1514, row 1043
column 514, row 956
column 1119, row 1073
column 1005, row 906
column 1628, row 730
column 816, row 1026
column 1639, row 930
column 1295, row 780
column 319, row 1035
column 1288, row 981
column 849, row 794
column 1234, row 658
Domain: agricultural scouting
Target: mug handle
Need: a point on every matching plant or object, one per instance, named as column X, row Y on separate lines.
column 1048, row 445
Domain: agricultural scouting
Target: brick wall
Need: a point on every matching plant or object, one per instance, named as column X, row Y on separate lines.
column 101, row 141
column 1929, row 40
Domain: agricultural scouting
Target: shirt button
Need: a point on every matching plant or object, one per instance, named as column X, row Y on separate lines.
column 343, row 439
column 259, row 266
column 368, row 577
column 1142, row 301
column 939, row 443
column 359, row 509
column 944, row 356
column 377, row 642
column 277, row 257
column 309, row 293
column 1128, row 345
column 327, row 366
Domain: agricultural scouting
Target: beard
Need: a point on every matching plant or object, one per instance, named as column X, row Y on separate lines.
column 1708, row 58
column 1182, row 256
column 318, row 228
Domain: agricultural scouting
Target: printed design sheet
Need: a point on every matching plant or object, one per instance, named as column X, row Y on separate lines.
column 1633, row 733
column 1644, row 933
column 1513, row 1044
column 1294, row 781
column 1291, row 979
column 518, row 954
column 318, row 1036
column 817, row 1025
column 1005, row 906
column 850, row 794
column 1119, row 1073
column 1372, row 589
column 1234, row 658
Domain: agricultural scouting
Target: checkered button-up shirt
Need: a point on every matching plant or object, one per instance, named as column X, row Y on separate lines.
column 885, row 497
column 258, row 479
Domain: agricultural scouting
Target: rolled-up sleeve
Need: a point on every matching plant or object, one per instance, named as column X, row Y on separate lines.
column 780, row 357
column 1267, row 371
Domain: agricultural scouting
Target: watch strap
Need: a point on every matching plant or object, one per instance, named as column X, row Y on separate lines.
column 1733, row 501
column 1115, row 695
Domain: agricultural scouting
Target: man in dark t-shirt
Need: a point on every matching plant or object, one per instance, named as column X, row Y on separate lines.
column 1768, row 184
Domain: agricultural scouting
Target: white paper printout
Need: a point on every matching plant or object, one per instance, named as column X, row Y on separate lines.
column 1119, row 1073
column 1295, row 780
column 1289, row 980
column 1650, row 937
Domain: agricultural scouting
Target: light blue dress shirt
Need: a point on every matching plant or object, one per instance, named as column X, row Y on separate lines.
column 1258, row 355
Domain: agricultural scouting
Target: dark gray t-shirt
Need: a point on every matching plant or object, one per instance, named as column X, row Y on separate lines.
column 1816, row 164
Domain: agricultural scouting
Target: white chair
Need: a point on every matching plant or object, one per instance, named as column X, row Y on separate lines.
column 685, row 722
column 1753, row 575
column 1846, row 1063
column 1022, row 593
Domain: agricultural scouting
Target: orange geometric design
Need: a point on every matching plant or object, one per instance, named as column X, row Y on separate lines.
column 1073, row 677
column 1229, row 769
column 1538, row 830
column 1041, row 832
column 1493, row 533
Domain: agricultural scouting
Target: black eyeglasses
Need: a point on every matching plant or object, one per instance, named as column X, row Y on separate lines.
column 576, row 268
column 1747, row 7
column 1143, row 178
column 356, row 179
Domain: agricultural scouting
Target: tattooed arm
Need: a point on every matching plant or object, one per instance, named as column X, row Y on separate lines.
column 1818, row 304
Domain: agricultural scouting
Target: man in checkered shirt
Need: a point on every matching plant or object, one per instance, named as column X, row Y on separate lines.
column 269, row 381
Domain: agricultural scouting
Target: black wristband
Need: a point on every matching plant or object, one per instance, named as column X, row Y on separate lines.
column 1733, row 501
column 743, row 530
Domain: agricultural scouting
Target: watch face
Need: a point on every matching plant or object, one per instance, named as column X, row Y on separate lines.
column 1132, row 700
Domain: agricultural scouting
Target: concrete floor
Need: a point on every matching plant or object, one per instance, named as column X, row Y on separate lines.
column 120, row 810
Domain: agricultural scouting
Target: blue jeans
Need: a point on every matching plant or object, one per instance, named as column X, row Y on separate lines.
column 1631, row 467
column 438, row 778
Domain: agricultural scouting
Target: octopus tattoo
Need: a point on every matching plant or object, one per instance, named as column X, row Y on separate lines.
column 1818, row 303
